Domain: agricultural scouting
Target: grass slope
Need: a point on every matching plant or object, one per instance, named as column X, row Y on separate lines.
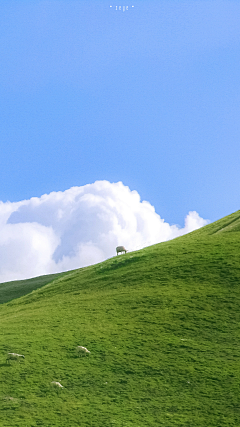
column 18, row 288
column 162, row 325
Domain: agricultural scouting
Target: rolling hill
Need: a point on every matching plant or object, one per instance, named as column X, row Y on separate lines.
column 162, row 325
column 18, row 288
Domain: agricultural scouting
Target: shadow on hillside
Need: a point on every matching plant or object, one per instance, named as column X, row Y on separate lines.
column 118, row 263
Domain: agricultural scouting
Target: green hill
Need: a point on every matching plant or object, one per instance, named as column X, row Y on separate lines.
column 18, row 288
column 162, row 325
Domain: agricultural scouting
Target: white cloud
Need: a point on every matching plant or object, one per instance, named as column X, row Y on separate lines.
column 78, row 227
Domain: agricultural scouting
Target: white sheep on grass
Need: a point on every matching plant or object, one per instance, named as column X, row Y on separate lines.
column 56, row 384
column 14, row 356
column 120, row 249
column 82, row 350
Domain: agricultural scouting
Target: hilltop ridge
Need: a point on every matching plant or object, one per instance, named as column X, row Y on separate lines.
column 228, row 223
column 16, row 289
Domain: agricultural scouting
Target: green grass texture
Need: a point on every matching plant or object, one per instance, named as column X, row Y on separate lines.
column 18, row 288
column 162, row 326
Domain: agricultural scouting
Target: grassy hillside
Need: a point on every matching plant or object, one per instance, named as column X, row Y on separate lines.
column 18, row 288
column 162, row 325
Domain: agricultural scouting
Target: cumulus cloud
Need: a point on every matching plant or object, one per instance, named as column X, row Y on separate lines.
column 78, row 227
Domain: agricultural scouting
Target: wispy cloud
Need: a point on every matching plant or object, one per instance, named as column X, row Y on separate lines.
column 78, row 227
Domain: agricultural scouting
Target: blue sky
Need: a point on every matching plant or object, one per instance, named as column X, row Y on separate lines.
column 149, row 97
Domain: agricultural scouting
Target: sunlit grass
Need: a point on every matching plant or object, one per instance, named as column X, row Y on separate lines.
column 162, row 325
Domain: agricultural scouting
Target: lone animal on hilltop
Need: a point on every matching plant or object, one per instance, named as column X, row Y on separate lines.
column 120, row 249
column 14, row 356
